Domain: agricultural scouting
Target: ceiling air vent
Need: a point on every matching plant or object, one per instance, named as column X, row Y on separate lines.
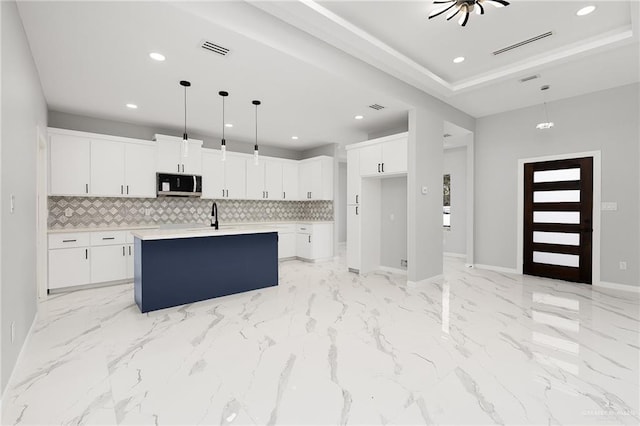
column 215, row 48
column 376, row 107
column 531, row 77
column 523, row 43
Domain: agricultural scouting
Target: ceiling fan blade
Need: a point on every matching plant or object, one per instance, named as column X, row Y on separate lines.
column 441, row 11
column 464, row 18
column 451, row 15
column 479, row 9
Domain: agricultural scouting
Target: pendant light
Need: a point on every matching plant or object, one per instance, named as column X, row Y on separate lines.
column 223, row 143
column 255, row 148
column 185, row 137
column 547, row 124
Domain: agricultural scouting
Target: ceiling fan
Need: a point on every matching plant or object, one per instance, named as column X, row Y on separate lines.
column 465, row 7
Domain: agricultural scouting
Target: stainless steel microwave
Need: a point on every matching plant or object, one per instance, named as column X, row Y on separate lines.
column 171, row 185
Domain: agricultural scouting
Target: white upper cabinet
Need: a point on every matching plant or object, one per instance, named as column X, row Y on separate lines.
column 223, row 179
column 316, row 178
column 388, row 156
column 255, row 180
column 273, row 179
column 354, row 181
column 107, row 168
column 69, row 165
column 140, row 170
column 290, row 180
column 173, row 159
column 122, row 169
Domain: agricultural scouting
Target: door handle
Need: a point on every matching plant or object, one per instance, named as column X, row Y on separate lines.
column 356, row 198
column 378, row 167
column 68, row 241
column 86, row 253
column 129, row 250
column 356, row 210
column 178, row 167
column 122, row 189
column 309, row 238
column 267, row 194
column 127, row 189
column 86, row 188
column 284, row 195
column 108, row 238
column 123, row 253
column 382, row 167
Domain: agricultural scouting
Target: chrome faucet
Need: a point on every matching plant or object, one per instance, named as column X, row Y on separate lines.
column 214, row 215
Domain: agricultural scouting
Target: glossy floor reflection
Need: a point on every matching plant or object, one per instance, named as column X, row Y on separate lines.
column 330, row 347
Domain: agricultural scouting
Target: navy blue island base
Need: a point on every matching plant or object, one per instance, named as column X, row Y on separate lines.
column 173, row 272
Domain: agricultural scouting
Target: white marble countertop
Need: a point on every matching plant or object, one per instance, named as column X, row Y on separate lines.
column 169, row 234
column 180, row 225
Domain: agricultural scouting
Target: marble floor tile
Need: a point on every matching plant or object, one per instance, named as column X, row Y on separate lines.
column 330, row 347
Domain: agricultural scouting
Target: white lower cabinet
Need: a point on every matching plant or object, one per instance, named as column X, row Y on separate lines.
column 82, row 258
column 314, row 241
column 69, row 267
column 286, row 240
column 353, row 237
column 108, row 263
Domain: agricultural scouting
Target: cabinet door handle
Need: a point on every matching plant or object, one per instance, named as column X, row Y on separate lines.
column 183, row 168
column 127, row 189
column 309, row 238
column 108, row 238
column 356, row 210
column 382, row 167
column 86, row 253
column 178, row 167
column 129, row 250
column 68, row 241
column 123, row 253
column 356, row 198
column 121, row 189
column 267, row 194
column 284, row 195
column 227, row 193
column 378, row 167
column 223, row 193
column 86, row 188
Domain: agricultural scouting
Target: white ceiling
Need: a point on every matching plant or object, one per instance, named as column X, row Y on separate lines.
column 93, row 59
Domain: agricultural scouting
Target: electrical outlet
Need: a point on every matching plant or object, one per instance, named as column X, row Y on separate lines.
column 13, row 331
column 403, row 263
column 68, row 212
column 623, row 266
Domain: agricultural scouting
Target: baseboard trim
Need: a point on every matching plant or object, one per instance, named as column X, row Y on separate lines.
column 27, row 339
column 496, row 268
column 89, row 286
column 458, row 255
column 393, row 270
column 617, row 286
column 414, row 284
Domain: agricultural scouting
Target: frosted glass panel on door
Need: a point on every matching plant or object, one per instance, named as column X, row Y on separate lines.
column 572, row 196
column 559, row 259
column 556, row 175
column 564, row 238
column 556, row 217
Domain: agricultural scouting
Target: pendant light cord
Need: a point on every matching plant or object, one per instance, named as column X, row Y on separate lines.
column 185, row 112
column 223, row 117
column 256, row 125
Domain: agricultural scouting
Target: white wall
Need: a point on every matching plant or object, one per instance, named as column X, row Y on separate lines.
column 393, row 211
column 606, row 121
column 23, row 108
column 455, row 164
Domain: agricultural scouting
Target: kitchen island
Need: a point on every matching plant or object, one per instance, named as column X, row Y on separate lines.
column 173, row 267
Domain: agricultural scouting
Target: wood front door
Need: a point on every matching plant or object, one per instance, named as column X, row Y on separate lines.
column 558, row 225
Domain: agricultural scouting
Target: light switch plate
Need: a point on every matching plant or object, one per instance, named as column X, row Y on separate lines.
column 609, row 206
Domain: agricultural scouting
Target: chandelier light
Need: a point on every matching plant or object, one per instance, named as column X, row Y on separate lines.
column 464, row 7
column 547, row 124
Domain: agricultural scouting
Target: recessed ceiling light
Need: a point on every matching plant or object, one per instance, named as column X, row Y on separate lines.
column 585, row 10
column 132, row 106
column 157, row 56
column 359, row 117
column 295, row 138
column 228, row 125
column 458, row 59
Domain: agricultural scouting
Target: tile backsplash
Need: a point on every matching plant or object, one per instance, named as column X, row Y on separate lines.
column 88, row 212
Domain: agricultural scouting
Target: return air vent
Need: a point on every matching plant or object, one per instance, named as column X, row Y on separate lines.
column 531, row 77
column 376, row 107
column 523, row 43
column 215, row 48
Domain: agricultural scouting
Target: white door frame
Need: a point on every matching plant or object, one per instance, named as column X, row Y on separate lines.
column 597, row 197
column 42, row 212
